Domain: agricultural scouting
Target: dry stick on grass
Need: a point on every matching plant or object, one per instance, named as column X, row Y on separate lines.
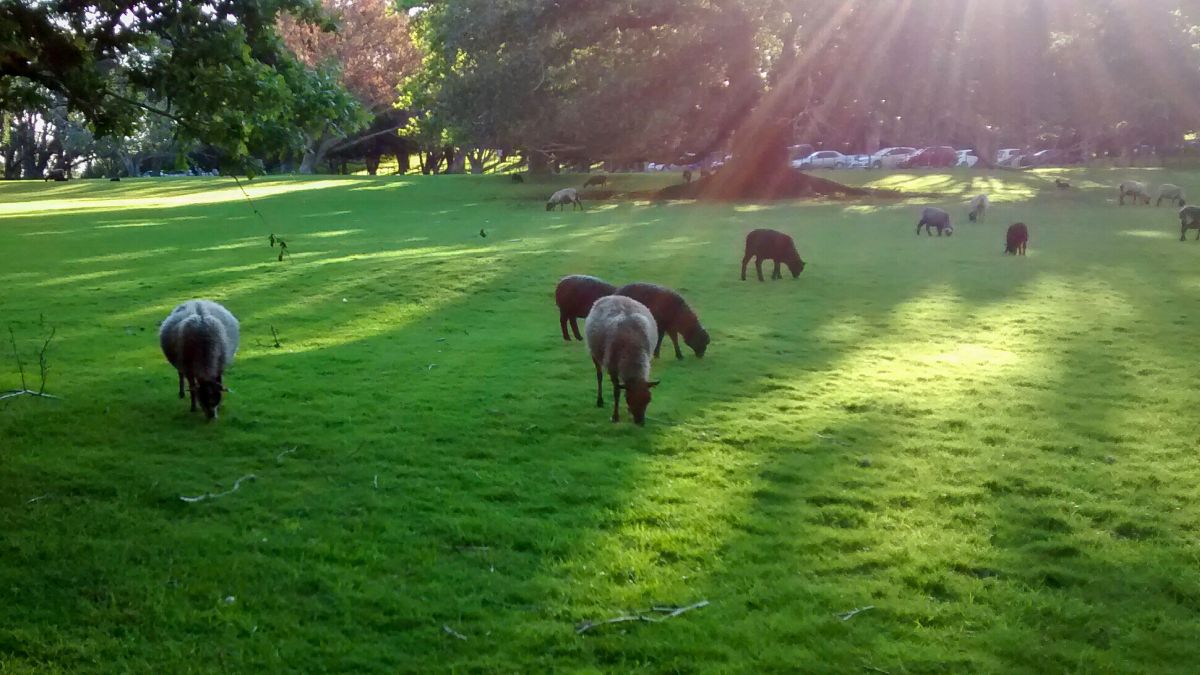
column 35, row 499
column 669, row 613
column 275, row 335
column 450, row 631
column 873, row 669
column 208, row 495
column 846, row 616
column 280, row 456
column 43, row 368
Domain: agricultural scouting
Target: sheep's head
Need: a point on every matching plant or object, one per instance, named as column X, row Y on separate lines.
column 208, row 392
column 549, row 206
column 637, row 398
column 795, row 266
column 972, row 216
column 698, row 340
column 949, row 230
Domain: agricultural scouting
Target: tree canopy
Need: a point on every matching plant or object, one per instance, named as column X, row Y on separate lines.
column 217, row 67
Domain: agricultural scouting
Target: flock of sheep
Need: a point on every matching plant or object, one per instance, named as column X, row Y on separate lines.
column 624, row 327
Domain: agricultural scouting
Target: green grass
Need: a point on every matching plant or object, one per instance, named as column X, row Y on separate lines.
column 997, row 454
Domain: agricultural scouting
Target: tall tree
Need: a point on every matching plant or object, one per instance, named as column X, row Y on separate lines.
column 216, row 66
column 372, row 52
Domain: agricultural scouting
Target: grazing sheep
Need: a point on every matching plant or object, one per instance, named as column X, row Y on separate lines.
column 1189, row 219
column 200, row 338
column 562, row 198
column 1135, row 190
column 574, row 296
column 979, row 206
column 687, row 175
column 57, row 175
column 596, row 180
column 1171, row 193
column 516, row 178
column 1016, row 239
column 672, row 316
column 1062, row 184
column 773, row 245
column 932, row 217
column 620, row 334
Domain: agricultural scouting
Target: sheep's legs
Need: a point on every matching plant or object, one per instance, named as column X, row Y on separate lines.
column 192, row 387
column 181, row 385
column 575, row 328
column 675, row 341
column 616, row 398
column 758, row 267
column 599, row 385
column 745, row 261
column 775, row 274
column 658, row 345
column 562, row 323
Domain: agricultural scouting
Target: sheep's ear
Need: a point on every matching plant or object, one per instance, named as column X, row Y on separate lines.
column 651, row 385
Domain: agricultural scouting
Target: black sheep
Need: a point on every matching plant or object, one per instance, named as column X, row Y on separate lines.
column 672, row 314
column 516, row 178
column 596, row 180
column 575, row 296
column 935, row 218
column 1016, row 239
column 771, row 245
column 57, row 175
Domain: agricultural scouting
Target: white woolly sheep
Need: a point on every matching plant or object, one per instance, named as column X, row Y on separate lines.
column 1189, row 219
column 562, row 198
column 200, row 338
column 621, row 334
column 1171, row 193
column 979, row 206
column 1134, row 189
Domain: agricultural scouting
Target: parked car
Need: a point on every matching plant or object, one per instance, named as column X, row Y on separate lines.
column 967, row 158
column 859, row 162
column 1055, row 158
column 890, row 158
column 822, row 159
column 932, row 157
column 1006, row 156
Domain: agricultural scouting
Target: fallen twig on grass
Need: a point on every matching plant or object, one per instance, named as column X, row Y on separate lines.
column 831, row 439
column 873, row 669
column 280, row 456
column 375, row 482
column 453, row 633
column 846, row 616
column 275, row 335
column 208, row 495
column 35, row 499
column 670, row 613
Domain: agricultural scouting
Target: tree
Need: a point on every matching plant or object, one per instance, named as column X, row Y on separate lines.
column 372, row 53
column 217, row 67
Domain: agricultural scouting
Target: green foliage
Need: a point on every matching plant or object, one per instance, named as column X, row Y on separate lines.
column 1027, row 503
column 219, row 69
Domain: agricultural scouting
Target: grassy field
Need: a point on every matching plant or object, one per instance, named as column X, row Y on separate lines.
column 993, row 457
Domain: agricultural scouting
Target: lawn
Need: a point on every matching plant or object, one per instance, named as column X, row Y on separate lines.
column 993, row 458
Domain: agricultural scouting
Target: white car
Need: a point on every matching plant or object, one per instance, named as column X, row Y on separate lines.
column 1006, row 156
column 822, row 159
column 890, row 158
column 967, row 158
column 859, row 162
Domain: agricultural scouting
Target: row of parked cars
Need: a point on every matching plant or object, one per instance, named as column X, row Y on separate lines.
column 940, row 156
column 889, row 158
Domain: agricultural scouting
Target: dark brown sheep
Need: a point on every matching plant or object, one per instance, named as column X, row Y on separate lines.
column 1189, row 219
column 56, row 175
column 771, row 245
column 516, row 178
column 1016, row 239
column 596, row 180
column 672, row 314
column 575, row 296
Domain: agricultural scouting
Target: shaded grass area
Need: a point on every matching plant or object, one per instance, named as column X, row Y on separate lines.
column 995, row 453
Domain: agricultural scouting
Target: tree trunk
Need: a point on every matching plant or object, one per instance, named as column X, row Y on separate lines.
column 403, row 162
column 478, row 158
column 456, row 160
column 539, row 163
column 372, row 162
column 315, row 151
